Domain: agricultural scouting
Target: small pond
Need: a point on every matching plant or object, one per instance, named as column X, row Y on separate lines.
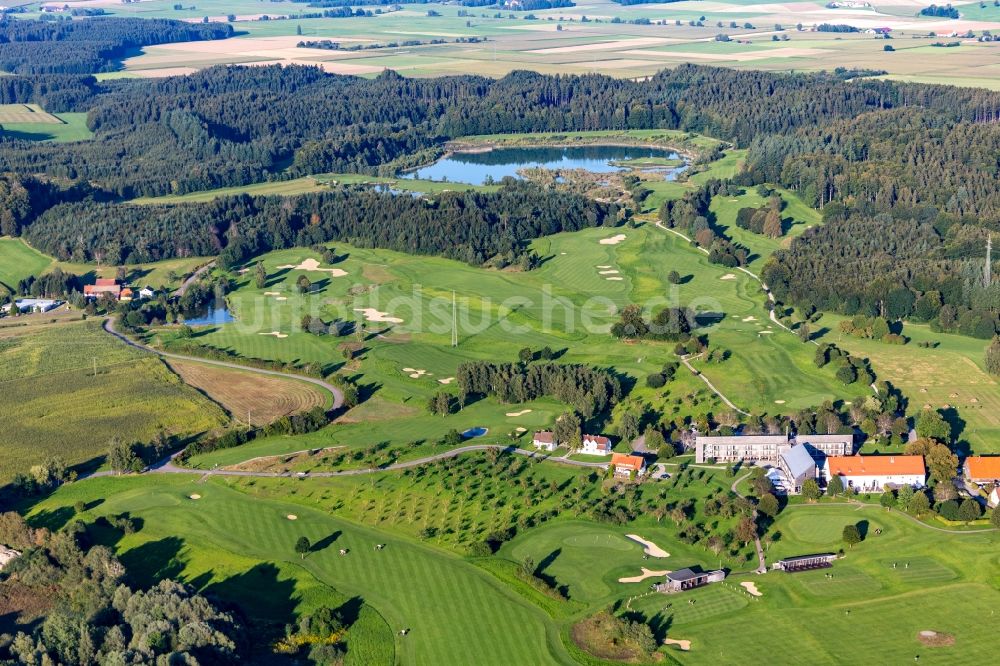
column 476, row 168
column 214, row 317
column 474, row 432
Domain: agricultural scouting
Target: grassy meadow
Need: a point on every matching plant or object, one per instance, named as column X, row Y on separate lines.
column 30, row 122
column 55, row 404
column 18, row 260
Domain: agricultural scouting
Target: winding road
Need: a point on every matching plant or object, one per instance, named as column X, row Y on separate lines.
column 338, row 395
column 192, row 278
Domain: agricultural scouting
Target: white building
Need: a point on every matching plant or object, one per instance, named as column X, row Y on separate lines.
column 544, row 440
column 34, row 305
column 873, row 473
column 595, row 445
column 766, row 449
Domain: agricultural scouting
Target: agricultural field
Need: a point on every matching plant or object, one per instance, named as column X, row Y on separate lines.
column 562, row 41
column 18, row 261
column 30, row 122
column 55, row 404
column 244, row 395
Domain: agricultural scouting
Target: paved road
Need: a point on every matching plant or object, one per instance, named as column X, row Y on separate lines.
column 338, row 396
column 167, row 466
column 191, row 278
column 761, row 562
column 722, row 396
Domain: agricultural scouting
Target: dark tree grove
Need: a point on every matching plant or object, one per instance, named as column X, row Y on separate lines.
column 589, row 390
column 91, row 45
column 474, row 227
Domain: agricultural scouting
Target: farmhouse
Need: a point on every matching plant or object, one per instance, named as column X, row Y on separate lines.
column 625, row 466
column 147, row 292
column 873, row 473
column 688, row 579
column 544, row 440
column 595, row 445
column 796, row 465
column 126, row 294
column 103, row 286
column 804, row 562
column 983, row 469
column 766, row 448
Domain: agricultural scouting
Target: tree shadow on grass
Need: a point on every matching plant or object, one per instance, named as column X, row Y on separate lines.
column 153, row 561
column 260, row 595
column 549, row 579
column 53, row 519
column 325, row 542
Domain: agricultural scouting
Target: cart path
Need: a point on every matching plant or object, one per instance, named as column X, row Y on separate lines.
column 338, row 395
column 192, row 278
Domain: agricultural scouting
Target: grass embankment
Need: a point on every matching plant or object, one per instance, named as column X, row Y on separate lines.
column 18, row 260
column 55, row 405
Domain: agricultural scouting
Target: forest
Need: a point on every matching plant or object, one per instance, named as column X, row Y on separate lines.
column 94, row 45
column 905, row 174
column 475, row 227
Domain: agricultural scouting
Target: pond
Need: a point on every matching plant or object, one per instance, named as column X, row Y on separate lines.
column 477, row 168
column 213, row 317
column 471, row 433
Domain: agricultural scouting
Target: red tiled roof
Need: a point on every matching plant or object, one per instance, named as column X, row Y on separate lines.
column 983, row 467
column 543, row 437
column 106, row 282
column 631, row 463
column 875, row 465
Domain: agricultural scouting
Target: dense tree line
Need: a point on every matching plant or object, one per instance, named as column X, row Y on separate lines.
column 588, row 390
column 94, row 617
column 92, row 45
column 229, row 126
column 941, row 11
column 474, row 227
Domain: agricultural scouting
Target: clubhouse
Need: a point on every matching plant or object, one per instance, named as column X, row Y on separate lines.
column 688, row 579
column 767, row 449
column 874, row 473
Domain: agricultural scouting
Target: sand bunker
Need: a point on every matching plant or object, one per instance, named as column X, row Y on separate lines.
column 520, row 413
column 292, row 516
column 272, row 293
column 684, row 645
column 415, row 373
column 614, row 240
column 750, row 318
column 195, row 496
column 520, row 429
column 935, row 638
column 646, row 573
column 610, row 272
column 764, row 332
column 276, row 334
column 779, row 402
column 371, row 314
column 604, row 266
column 614, row 279
column 728, row 276
column 650, row 548
column 313, row 265
column 446, row 380
column 281, row 298
column 752, row 589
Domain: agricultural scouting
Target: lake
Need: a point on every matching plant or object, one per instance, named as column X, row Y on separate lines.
column 477, row 168
column 214, row 317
